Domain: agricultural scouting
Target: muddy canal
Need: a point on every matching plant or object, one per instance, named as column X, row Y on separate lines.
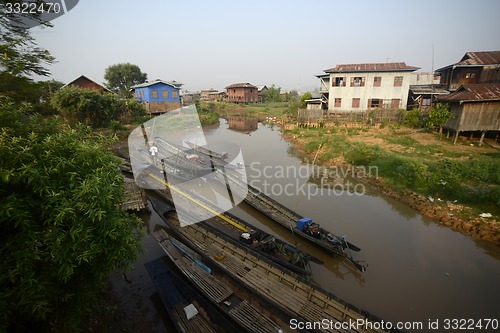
column 419, row 271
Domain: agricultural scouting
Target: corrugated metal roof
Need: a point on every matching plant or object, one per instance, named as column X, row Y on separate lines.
column 480, row 58
column 88, row 79
column 150, row 83
column 241, row 85
column 372, row 67
column 474, row 92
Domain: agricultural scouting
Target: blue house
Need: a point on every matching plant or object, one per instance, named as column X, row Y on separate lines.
column 158, row 96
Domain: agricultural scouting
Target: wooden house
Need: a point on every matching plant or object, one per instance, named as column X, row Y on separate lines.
column 242, row 93
column 474, row 67
column 205, row 94
column 475, row 107
column 84, row 82
column 158, row 96
column 262, row 89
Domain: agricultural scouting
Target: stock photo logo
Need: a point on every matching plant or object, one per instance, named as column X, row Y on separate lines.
column 28, row 14
column 170, row 153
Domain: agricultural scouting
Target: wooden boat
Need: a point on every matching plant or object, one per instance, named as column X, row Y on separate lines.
column 284, row 291
column 249, row 315
column 301, row 226
column 242, row 233
column 189, row 311
column 207, row 152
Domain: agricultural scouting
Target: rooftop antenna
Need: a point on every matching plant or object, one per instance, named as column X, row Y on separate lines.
column 432, row 76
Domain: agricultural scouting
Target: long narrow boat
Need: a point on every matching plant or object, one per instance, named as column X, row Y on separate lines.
column 249, row 314
column 301, row 226
column 300, row 299
column 189, row 311
column 242, row 233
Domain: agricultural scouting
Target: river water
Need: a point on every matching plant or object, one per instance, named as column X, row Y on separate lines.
column 418, row 271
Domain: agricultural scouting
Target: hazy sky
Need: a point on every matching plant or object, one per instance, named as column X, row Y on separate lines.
column 212, row 44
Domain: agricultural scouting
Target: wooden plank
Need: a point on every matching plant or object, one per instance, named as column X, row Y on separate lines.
column 249, row 317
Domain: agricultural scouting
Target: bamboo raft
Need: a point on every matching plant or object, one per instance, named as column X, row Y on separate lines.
column 135, row 198
column 247, row 316
column 295, row 296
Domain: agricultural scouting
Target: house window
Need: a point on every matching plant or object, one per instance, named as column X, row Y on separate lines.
column 377, row 81
column 337, row 102
column 398, row 81
column 338, row 82
column 357, row 81
column 355, row 102
column 164, row 93
column 175, row 94
column 426, row 101
column 136, row 94
column 395, row 103
column 374, row 103
column 154, row 93
column 470, row 75
column 142, row 94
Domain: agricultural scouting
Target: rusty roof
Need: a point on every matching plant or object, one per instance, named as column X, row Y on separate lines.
column 241, row 85
column 482, row 58
column 372, row 67
column 474, row 93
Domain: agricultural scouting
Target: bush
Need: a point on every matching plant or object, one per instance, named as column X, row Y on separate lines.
column 411, row 118
column 362, row 154
column 89, row 107
column 410, row 173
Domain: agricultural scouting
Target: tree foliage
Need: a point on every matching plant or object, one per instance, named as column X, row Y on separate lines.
column 272, row 94
column 19, row 54
column 61, row 233
column 121, row 77
column 92, row 108
column 439, row 116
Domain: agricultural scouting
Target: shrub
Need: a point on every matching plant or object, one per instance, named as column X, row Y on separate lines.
column 412, row 118
column 362, row 154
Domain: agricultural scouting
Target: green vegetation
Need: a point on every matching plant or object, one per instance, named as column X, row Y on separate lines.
column 61, row 232
column 78, row 105
column 443, row 171
column 121, row 77
column 208, row 112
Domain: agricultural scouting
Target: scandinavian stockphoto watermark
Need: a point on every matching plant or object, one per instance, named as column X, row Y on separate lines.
column 309, row 180
column 27, row 14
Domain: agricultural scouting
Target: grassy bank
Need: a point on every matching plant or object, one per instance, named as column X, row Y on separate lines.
column 255, row 110
column 451, row 183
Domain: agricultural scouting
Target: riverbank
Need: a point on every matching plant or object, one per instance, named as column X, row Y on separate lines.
column 405, row 160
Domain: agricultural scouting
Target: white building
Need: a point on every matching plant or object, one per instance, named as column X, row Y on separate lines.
column 361, row 87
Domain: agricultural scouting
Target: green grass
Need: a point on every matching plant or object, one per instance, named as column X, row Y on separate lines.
column 428, row 169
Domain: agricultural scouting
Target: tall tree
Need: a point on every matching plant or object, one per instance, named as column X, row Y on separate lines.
column 61, row 232
column 121, row 77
